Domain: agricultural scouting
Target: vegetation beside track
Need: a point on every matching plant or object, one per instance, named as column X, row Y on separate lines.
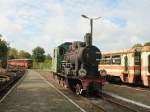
column 40, row 60
column 43, row 65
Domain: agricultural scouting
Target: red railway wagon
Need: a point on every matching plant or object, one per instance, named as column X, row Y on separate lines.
column 26, row 63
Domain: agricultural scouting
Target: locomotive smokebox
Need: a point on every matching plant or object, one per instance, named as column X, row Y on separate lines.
column 88, row 39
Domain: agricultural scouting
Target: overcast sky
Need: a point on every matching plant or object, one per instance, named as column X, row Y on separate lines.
column 47, row 23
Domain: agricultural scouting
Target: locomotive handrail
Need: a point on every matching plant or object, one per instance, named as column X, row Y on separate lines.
column 98, row 52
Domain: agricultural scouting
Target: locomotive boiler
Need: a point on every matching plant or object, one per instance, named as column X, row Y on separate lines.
column 75, row 64
column 82, row 59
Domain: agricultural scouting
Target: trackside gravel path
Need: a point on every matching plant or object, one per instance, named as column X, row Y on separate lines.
column 33, row 94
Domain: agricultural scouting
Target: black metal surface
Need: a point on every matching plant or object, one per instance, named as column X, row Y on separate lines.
column 81, row 59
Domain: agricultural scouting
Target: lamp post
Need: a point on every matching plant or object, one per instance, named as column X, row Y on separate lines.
column 91, row 22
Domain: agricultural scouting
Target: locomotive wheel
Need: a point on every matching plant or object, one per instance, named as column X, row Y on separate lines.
column 78, row 89
column 62, row 82
column 65, row 83
column 59, row 81
column 65, row 86
column 53, row 76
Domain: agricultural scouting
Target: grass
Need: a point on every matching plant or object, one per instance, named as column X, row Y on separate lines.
column 44, row 65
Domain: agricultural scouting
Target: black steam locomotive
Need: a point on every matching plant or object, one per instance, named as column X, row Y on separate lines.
column 76, row 65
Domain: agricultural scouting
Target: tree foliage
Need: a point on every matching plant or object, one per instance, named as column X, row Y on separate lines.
column 136, row 45
column 147, row 44
column 3, row 49
column 13, row 53
column 24, row 54
column 3, row 52
column 38, row 54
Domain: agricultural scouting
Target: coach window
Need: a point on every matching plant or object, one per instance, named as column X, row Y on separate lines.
column 116, row 59
column 149, row 63
column 102, row 61
column 61, row 51
column 107, row 60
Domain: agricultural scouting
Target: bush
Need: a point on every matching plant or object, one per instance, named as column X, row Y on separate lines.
column 137, row 45
column 147, row 44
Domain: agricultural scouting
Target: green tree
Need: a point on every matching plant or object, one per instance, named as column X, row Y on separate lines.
column 136, row 45
column 147, row 44
column 24, row 54
column 3, row 49
column 3, row 52
column 38, row 54
column 13, row 53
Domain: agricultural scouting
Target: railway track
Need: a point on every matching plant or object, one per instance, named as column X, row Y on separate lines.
column 117, row 106
column 138, row 88
column 106, row 103
column 134, row 107
column 7, row 81
column 117, row 103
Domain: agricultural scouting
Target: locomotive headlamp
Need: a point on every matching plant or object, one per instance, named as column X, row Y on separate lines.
column 82, row 72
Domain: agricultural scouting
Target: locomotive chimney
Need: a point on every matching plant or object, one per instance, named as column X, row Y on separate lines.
column 88, row 39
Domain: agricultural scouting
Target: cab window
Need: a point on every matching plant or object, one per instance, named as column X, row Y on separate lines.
column 61, row 51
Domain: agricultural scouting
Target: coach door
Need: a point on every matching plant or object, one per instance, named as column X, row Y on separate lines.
column 149, row 63
column 126, row 64
column 125, row 75
column 137, row 67
column 137, row 63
